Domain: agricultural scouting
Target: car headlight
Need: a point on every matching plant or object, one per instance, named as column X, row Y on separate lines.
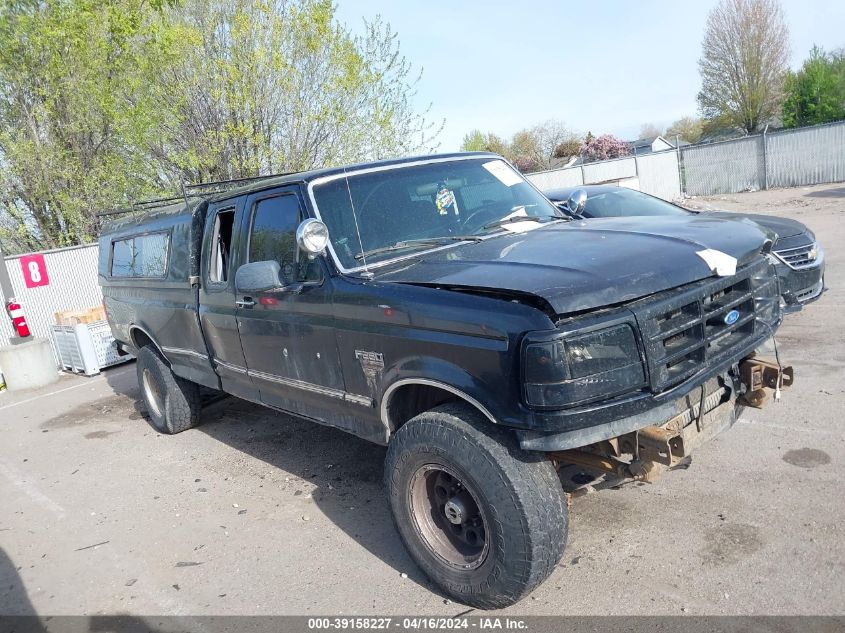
column 582, row 367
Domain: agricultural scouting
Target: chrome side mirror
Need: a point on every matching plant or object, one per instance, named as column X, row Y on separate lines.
column 577, row 201
column 312, row 236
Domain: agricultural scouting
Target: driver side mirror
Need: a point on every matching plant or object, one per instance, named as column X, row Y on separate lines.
column 576, row 202
column 258, row 277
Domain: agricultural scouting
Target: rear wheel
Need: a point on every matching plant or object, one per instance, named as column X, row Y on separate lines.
column 486, row 521
column 173, row 403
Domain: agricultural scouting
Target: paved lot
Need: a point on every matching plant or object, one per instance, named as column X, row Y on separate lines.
column 255, row 513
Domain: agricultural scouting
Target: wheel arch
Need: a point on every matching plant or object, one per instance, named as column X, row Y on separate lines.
column 408, row 397
column 141, row 338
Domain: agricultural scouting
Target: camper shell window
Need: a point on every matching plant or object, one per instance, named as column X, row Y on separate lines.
column 141, row 256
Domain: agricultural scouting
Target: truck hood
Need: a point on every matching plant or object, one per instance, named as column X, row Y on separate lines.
column 784, row 227
column 582, row 265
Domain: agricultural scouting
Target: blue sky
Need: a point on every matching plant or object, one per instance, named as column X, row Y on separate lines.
column 603, row 66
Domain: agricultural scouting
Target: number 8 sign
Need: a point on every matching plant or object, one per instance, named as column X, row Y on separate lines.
column 34, row 271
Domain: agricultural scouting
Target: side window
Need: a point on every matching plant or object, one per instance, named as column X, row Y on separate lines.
column 221, row 246
column 140, row 256
column 273, row 237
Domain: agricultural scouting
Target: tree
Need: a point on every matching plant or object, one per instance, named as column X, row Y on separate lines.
column 816, row 93
column 78, row 105
column 688, row 128
column 525, row 151
column 273, row 86
column 603, row 148
column 529, row 149
column 553, row 136
column 649, row 130
column 476, row 141
column 106, row 101
column 743, row 63
column 568, row 148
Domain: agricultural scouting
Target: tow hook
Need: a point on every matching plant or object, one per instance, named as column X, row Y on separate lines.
column 757, row 375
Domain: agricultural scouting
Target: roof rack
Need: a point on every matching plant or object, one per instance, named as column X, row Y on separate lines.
column 189, row 191
column 226, row 185
column 143, row 205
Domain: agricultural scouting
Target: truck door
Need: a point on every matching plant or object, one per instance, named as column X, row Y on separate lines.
column 287, row 335
column 218, row 309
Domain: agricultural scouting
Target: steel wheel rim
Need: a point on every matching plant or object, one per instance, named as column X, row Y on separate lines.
column 447, row 517
column 153, row 393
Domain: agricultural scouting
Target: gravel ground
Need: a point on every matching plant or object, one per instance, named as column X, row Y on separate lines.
column 255, row 513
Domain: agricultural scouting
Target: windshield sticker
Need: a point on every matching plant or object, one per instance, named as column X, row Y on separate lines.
column 503, row 173
column 720, row 263
column 445, row 200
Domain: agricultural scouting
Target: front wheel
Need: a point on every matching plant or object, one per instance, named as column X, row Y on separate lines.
column 486, row 521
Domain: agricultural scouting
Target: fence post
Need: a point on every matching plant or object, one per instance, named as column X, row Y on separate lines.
column 765, row 160
column 583, row 182
column 6, row 290
column 681, row 187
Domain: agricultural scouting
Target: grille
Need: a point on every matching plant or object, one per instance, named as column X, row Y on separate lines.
column 809, row 293
column 800, row 257
column 684, row 332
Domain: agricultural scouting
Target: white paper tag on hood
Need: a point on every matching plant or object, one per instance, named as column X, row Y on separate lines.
column 720, row 263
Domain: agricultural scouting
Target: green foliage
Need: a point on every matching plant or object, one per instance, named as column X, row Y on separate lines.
column 105, row 101
column 816, row 93
column 530, row 149
column 75, row 108
column 688, row 128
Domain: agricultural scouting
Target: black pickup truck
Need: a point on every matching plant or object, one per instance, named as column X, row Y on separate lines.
column 444, row 307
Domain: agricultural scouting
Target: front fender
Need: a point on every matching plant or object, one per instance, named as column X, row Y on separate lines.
column 436, row 372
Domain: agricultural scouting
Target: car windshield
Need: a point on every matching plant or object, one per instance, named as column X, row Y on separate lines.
column 382, row 214
column 625, row 202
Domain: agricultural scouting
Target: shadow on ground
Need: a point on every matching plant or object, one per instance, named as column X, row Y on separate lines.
column 839, row 192
column 346, row 470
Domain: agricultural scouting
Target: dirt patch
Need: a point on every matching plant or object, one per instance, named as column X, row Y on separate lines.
column 118, row 406
column 729, row 543
column 806, row 457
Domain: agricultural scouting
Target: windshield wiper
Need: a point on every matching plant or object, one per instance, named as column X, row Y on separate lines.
column 522, row 218
column 425, row 241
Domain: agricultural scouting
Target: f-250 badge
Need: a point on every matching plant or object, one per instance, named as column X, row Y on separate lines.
column 372, row 363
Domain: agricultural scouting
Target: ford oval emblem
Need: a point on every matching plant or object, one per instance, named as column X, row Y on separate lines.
column 732, row 317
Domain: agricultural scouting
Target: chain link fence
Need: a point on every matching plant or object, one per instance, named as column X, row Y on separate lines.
column 787, row 158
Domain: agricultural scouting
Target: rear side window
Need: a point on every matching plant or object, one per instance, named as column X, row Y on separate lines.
column 140, row 256
column 273, row 237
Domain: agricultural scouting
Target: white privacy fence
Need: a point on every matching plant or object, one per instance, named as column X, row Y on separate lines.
column 657, row 173
column 787, row 158
column 70, row 284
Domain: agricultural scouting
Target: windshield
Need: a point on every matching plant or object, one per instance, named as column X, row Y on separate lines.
column 626, row 202
column 411, row 208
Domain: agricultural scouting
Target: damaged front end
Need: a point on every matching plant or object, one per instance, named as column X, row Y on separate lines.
column 645, row 453
column 655, row 379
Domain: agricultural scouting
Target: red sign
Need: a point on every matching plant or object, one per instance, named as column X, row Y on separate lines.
column 34, row 271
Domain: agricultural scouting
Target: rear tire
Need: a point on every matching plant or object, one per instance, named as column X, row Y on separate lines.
column 173, row 403
column 486, row 521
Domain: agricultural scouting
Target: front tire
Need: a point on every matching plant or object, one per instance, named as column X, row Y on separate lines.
column 173, row 403
column 486, row 521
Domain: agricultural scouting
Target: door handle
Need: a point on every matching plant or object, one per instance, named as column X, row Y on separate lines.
column 246, row 302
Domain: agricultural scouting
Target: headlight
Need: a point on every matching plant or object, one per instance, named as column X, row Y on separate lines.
column 582, row 367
